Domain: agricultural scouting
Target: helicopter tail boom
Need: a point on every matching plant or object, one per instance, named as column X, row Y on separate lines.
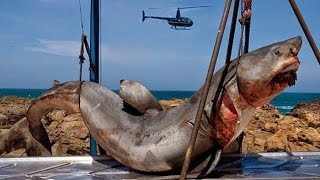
column 154, row 17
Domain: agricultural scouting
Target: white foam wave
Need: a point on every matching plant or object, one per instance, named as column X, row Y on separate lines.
column 284, row 107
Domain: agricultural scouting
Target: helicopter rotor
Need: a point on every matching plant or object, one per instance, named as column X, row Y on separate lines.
column 192, row 7
column 186, row 7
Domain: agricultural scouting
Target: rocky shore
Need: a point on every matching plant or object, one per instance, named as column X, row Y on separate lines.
column 270, row 131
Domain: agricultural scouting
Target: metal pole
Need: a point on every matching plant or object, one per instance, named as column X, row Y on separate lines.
column 94, row 53
column 205, row 90
column 232, row 29
column 247, row 36
column 305, row 29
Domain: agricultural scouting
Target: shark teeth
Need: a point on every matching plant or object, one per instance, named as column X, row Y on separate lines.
column 289, row 77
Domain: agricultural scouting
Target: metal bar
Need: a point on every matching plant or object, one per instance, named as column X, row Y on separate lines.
column 9, row 165
column 232, row 29
column 49, row 168
column 305, row 29
column 247, row 31
column 205, row 90
column 94, row 54
column 247, row 36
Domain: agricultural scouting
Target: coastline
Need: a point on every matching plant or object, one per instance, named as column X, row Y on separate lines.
column 270, row 131
column 284, row 102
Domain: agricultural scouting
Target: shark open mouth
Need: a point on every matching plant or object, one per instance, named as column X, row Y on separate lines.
column 289, row 77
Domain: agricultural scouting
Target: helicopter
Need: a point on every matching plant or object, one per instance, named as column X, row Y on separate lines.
column 178, row 22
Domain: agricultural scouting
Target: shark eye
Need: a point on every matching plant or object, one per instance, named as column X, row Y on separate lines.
column 277, row 52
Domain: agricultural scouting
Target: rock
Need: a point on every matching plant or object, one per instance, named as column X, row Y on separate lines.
column 19, row 137
column 57, row 149
column 67, row 133
column 310, row 135
column 16, row 153
column 296, row 131
column 167, row 104
column 14, row 108
column 270, row 127
column 310, row 112
column 3, row 119
column 276, row 143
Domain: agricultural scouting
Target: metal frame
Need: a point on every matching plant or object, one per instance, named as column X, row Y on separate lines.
column 283, row 165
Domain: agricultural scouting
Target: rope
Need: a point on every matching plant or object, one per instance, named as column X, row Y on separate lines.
column 81, row 20
column 81, row 60
column 81, row 56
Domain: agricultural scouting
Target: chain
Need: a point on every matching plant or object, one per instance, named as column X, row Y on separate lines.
column 240, row 50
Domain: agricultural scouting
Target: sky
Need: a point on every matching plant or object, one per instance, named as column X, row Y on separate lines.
column 40, row 41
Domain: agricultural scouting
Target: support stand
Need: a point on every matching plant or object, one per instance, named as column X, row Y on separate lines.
column 305, row 29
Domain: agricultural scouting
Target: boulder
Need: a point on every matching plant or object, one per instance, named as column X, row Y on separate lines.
column 3, row 119
column 14, row 108
column 296, row 131
column 19, row 137
column 67, row 133
column 167, row 104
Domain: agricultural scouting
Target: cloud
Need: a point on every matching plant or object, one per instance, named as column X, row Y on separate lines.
column 132, row 55
column 56, row 47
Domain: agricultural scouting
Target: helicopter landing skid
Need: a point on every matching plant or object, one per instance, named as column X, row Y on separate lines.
column 180, row 28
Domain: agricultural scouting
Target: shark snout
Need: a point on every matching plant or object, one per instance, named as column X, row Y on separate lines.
column 296, row 45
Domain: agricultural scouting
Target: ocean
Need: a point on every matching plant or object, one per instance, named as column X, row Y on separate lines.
column 284, row 102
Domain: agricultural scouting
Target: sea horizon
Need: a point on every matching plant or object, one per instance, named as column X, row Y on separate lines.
column 18, row 88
